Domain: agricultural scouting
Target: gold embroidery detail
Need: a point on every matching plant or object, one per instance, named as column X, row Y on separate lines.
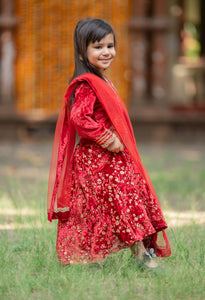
column 102, row 137
column 61, row 209
column 105, row 139
column 108, row 142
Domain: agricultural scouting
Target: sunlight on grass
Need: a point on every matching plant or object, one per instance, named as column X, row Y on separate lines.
column 173, row 218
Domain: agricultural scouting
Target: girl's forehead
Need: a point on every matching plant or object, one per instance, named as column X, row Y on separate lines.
column 108, row 38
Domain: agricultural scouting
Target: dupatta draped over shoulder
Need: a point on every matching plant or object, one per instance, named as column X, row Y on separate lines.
column 64, row 143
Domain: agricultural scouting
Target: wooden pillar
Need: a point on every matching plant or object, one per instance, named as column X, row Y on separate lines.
column 7, row 52
column 139, row 52
column 159, row 51
column 150, row 25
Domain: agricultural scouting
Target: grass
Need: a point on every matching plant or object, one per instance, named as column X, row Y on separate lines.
column 28, row 262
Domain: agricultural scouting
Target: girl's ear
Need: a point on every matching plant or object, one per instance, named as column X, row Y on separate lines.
column 80, row 56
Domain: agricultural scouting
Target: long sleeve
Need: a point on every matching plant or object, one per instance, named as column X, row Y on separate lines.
column 87, row 122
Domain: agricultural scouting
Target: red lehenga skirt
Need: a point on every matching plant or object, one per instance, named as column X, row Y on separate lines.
column 111, row 206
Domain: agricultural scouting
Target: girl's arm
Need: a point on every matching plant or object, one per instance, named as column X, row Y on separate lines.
column 84, row 122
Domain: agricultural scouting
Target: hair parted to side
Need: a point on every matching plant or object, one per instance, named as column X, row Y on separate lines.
column 88, row 31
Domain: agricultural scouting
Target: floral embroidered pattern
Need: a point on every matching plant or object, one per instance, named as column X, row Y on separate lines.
column 111, row 206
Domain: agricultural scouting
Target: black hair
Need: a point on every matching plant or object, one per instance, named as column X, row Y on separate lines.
column 88, row 31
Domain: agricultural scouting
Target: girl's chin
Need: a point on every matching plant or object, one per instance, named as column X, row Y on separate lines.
column 105, row 65
column 103, row 69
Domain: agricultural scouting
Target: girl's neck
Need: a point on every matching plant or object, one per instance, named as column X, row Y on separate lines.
column 105, row 78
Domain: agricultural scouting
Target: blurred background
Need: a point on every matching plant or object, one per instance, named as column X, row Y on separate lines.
column 159, row 70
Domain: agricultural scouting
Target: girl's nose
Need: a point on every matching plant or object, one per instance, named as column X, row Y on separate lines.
column 105, row 51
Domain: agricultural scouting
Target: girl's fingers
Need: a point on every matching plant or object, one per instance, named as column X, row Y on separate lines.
column 118, row 149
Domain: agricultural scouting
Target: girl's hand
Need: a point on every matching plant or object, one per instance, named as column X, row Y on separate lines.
column 116, row 146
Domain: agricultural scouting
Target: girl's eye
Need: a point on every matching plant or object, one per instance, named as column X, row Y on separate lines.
column 110, row 46
column 98, row 47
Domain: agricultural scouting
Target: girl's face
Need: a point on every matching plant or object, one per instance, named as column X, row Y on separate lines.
column 101, row 54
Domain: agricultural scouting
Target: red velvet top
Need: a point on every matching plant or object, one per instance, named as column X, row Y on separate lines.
column 89, row 117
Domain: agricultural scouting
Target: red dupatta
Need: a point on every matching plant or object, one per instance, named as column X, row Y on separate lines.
column 64, row 143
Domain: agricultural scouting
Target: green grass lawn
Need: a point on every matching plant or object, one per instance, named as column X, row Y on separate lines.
column 28, row 262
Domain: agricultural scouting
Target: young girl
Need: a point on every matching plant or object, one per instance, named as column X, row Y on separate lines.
column 99, row 190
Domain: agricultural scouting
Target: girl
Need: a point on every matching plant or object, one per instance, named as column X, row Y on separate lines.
column 99, row 190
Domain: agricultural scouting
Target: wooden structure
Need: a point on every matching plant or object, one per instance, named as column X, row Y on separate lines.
column 150, row 26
